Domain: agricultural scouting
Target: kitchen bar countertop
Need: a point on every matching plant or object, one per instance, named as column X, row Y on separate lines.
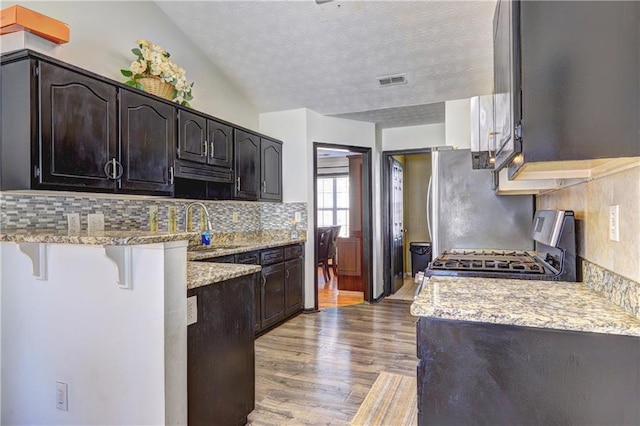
column 530, row 303
column 104, row 238
column 204, row 273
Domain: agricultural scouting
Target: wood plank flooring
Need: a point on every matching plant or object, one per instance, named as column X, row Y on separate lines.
column 406, row 292
column 329, row 297
column 317, row 368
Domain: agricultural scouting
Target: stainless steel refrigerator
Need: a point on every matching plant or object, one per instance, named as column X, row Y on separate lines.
column 464, row 212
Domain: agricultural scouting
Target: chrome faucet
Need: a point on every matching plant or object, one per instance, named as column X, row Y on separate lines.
column 205, row 212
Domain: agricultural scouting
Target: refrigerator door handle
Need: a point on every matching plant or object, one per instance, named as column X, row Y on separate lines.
column 428, row 207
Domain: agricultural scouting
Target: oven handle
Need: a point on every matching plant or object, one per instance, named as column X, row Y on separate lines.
column 428, row 209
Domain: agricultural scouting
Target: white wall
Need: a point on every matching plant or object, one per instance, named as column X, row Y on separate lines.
column 122, row 352
column 290, row 126
column 413, row 137
column 458, row 123
column 103, row 33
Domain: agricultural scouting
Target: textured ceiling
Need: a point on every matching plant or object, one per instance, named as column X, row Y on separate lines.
column 293, row 54
column 401, row 116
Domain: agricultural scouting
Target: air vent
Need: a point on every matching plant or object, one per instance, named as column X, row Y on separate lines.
column 392, row 80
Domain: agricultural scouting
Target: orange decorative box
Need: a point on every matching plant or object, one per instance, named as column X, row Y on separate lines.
column 18, row 18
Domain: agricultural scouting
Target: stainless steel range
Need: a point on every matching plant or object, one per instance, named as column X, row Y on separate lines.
column 554, row 258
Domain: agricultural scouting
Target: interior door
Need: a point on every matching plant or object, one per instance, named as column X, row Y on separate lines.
column 397, row 228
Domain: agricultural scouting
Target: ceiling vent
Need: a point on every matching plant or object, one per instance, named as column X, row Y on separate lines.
column 392, row 80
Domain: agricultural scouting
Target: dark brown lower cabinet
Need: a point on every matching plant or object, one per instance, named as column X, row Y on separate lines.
column 490, row 374
column 220, row 354
column 279, row 288
column 272, row 294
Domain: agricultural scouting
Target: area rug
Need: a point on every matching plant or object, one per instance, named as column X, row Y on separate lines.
column 391, row 401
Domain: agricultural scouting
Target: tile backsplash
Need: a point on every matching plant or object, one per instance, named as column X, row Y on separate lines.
column 611, row 267
column 47, row 210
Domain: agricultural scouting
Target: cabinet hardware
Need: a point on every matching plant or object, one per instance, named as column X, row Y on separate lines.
column 211, row 149
column 264, row 281
column 238, row 184
column 206, row 147
column 113, row 169
column 36, row 70
column 171, row 175
column 36, row 171
column 286, row 273
column 264, row 186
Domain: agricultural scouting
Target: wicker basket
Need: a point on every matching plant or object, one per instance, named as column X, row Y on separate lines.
column 157, row 87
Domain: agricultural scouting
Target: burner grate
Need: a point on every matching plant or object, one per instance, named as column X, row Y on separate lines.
column 489, row 260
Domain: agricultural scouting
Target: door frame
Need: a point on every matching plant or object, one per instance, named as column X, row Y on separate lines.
column 367, row 215
column 387, row 186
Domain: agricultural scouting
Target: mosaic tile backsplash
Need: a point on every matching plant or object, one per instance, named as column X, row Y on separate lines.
column 48, row 211
column 619, row 290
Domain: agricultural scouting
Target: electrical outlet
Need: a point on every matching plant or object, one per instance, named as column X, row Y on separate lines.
column 614, row 223
column 62, row 396
column 192, row 310
column 298, row 216
column 95, row 222
column 234, row 217
column 73, row 223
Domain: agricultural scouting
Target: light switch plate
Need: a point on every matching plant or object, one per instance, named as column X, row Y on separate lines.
column 614, row 223
column 95, row 222
column 192, row 310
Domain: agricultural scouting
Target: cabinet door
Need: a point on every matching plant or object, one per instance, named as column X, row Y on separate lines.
column 246, row 166
column 77, row 128
column 272, row 294
column 221, row 355
column 220, row 144
column 271, row 170
column 147, row 139
column 192, row 137
column 293, row 284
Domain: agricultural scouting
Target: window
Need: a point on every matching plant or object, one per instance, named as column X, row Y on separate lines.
column 333, row 202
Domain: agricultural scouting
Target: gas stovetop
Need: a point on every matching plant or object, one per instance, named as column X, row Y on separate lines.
column 502, row 261
column 554, row 259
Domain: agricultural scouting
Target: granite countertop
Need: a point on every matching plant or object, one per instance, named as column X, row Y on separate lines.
column 224, row 249
column 543, row 304
column 104, row 238
column 204, row 273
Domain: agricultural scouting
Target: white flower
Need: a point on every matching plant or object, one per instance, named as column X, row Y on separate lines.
column 138, row 67
column 142, row 42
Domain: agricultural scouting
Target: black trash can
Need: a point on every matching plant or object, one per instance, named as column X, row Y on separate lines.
column 420, row 256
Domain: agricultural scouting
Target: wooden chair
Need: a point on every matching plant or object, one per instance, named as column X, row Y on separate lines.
column 323, row 240
column 335, row 231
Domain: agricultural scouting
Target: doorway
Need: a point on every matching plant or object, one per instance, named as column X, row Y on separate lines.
column 405, row 177
column 342, row 207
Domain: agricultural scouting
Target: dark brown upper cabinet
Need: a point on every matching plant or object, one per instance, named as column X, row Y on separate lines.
column 567, row 87
column 65, row 128
column 78, row 132
column 270, row 170
column 246, row 166
column 205, row 141
column 147, row 138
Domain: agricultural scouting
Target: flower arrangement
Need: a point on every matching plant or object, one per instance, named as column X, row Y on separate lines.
column 153, row 62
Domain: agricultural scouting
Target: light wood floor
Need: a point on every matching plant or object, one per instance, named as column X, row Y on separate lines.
column 407, row 291
column 329, row 297
column 317, row 368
